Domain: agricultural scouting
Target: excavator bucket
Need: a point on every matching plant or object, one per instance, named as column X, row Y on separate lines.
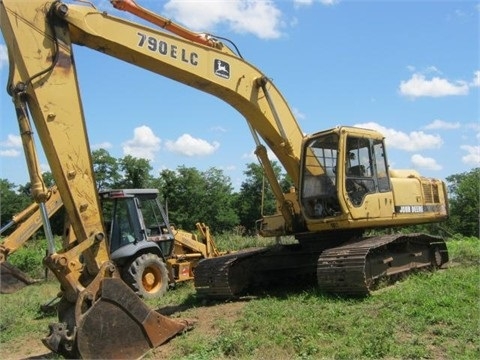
column 117, row 325
column 13, row 279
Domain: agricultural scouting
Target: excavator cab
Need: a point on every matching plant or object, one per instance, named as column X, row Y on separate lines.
column 346, row 183
column 342, row 167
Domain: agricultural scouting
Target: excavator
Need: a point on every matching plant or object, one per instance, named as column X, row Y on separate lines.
column 148, row 267
column 343, row 186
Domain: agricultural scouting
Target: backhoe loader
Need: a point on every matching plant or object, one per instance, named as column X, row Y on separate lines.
column 147, row 266
column 343, row 185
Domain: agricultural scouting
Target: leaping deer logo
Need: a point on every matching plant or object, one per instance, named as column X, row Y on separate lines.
column 222, row 69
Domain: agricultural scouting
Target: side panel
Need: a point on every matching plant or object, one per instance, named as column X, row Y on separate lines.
column 419, row 198
column 378, row 205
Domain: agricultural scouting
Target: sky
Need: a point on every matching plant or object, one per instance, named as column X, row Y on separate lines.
column 409, row 69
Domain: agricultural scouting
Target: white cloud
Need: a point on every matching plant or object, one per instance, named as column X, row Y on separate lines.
column 421, row 162
column 143, row 145
column 411, row 68
column 303, row 2
column 418, row 85
column 298, row 114
column 310, row 2
column 441, row 124
column 44, row 167
column 218, row 128
column 103, row 145
column 9, row 153
column 413, row 141
column 475, row 127
column 473, row 155
column 432, row 70
column 12, row 145
column 250, row 156
column 3, row 56
column 12, row 141
column 261, row 18
column 190, row 146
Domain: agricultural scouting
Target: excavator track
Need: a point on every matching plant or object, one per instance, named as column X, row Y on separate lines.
column 255, row 270
column 224, row 276
column 356, row 268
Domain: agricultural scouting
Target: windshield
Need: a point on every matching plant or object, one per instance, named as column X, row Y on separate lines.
column 319, row 184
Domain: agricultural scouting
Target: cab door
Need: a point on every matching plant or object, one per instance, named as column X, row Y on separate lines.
column 367, row 185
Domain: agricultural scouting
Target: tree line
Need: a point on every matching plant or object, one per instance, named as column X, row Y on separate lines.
column 191, row 195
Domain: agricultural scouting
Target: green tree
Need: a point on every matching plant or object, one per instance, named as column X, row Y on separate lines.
column 182, row 192
column 106, row 169
column 220, row 209
column 11, row 201
column 193, row 196
column 464, row 199
column 256, row 198
column 136, row 172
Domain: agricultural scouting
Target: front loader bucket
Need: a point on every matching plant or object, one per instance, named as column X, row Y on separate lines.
column 117, row 325
column 13, row 279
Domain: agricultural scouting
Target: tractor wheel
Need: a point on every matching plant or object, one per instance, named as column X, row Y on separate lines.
column 147, row 275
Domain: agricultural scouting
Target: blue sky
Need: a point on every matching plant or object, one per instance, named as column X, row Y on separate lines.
column 410, row 69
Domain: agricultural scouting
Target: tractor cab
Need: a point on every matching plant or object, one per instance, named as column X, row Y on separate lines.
column 135, row 221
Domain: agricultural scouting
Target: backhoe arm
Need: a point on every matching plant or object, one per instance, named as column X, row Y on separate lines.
column 27, row 223
column 42, row 75
column 94, row 298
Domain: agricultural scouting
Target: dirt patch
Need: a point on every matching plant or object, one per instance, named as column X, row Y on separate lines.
column 206, row 322
column 205, row 319
column 25, row 348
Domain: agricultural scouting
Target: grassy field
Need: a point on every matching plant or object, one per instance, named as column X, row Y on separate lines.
column 426, row 316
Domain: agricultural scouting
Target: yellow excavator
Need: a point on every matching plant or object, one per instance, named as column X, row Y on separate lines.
column 342, row 182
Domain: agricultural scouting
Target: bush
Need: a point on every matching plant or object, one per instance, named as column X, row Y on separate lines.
column 29, row 257
column 464, row 250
